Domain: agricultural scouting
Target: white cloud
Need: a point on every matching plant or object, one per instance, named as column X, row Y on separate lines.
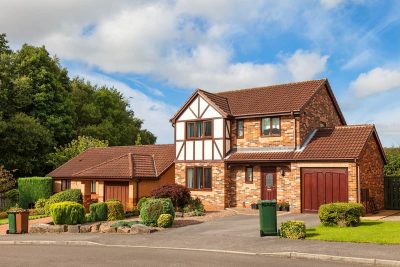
column 304, row 65
column 375, row 81
column 331, row 3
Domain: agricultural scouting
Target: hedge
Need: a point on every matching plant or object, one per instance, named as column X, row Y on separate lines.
column 115, row 210
column 73, row 195
column 293, row 230
column 165, row 220
column 33, row 188
column 153, row 208
column 98, row 211
column 67, row 212
column 340, row 214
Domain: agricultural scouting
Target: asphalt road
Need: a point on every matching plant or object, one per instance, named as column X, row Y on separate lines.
column 36, row 255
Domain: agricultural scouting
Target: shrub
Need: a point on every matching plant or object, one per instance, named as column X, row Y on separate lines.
column 194, row 205
column 73, row 195
column 153, row 208
column 165, row 220
column 115, row 210
column 67, row 212
column 179, row 194
column 293, row 230
column 36, row 212
column 33, row 188
column 340, row 214
column 141, row 201
column 125, row 224
column 3, row 215
column 98, row 211
column 12, row 196
column 88, row 218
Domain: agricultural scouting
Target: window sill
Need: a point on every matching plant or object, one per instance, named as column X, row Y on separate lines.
column 205, row 189
column 248, row 182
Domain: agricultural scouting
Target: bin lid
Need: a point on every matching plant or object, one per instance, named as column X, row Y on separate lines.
column 267, row 202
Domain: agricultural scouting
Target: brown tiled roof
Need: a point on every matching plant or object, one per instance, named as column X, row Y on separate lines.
column 279, row 98
column 118, row 162
column 339, row 143
column 220, row 101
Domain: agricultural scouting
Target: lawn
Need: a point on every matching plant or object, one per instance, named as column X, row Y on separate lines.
column 367, row 232
column 33, row 217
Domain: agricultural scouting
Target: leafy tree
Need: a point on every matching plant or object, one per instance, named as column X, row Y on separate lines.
column 393, row 157
column 7, row 180
column 64, row 153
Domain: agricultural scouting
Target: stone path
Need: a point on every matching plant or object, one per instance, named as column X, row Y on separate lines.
column 4, row 227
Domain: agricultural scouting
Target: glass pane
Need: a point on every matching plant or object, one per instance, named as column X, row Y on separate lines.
column 190, row 130
column 199, row 178
column 208, row 130
column 275, row 126
column 240, row 129
column 266, row 125
column 199, row 128
column 269, row 180
column 93, row 189
column 207, row 178
column 249, row 174
column 189, row 178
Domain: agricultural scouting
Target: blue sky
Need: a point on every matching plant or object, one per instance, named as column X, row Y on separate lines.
column 158, row 52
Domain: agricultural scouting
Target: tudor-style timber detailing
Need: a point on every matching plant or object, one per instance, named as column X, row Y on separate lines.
column 195, row 144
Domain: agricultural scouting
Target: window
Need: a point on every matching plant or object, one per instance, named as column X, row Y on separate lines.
column 271, row 126
column 65, row 184
column 240, row 129
column 93, row 187
column 198, row 129
column 198, row 178
column 249, row 175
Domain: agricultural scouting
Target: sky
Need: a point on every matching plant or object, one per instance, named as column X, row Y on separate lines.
column 158, row 52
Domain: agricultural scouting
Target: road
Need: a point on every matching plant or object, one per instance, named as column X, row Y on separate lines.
column 37, row 255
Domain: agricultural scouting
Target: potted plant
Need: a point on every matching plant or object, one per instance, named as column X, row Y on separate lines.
column 254, row 206
column 281, row 203
column 286, row 206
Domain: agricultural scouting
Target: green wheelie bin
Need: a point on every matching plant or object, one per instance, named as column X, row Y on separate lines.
column 268, row 220
column 12, row 226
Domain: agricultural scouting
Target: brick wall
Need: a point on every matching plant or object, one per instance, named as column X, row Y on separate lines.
column 253, row 138
column 146, row 186
column 244, row 194
column 371, row 171
column 319, row 109
column 218, row 197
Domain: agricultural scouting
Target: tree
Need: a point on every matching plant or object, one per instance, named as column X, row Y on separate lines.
column 393, row 157
column 7, row 180
column 64, row 153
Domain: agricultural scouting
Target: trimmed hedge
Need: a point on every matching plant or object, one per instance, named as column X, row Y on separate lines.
column 33, row 188
column 67, row 212
column 293, row 230
column 165, row 220
column 98, row 211
column 340, row 214
column 73, row 195
column 115, row 210
column 153, row 208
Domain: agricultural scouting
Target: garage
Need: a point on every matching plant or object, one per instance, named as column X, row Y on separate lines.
column 117, row 190
column 322, row 185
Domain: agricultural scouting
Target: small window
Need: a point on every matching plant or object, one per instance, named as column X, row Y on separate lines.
column 190, row 130
column 249, row 175
column 240, row 129
column 93, row 187
column 208, row 128
column 271, row 126
column 199, row 178
column 198, row 129
column 65, row 184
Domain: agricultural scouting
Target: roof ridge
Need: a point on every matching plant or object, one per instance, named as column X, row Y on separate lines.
column 100, row 164
column 356, row 125
column 153, row 145
column 267, row 86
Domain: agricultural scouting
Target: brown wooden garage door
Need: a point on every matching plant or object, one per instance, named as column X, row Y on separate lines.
column 323, row 185
column 117, row 190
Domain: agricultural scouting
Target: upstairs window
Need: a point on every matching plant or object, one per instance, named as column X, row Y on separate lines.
column 198, row 129
column 198, row 178
column 249, row 175
column 240, row 129
column 271, row 126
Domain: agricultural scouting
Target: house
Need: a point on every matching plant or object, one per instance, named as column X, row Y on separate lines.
column 287, row 142
column 126, row 173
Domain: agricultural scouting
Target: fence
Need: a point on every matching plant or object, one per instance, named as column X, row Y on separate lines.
column 392, row 193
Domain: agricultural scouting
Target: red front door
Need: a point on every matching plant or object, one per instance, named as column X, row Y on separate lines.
column 268, row 183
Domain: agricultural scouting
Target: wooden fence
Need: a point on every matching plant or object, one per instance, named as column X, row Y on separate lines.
column 392, row 193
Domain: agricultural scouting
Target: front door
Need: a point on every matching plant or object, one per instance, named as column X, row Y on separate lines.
column 268, row 183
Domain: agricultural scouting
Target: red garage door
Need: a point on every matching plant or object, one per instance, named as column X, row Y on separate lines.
column 117, row 190
column 322, row 185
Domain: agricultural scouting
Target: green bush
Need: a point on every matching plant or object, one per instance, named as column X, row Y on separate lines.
column 340, row 214
column 67, row 212
column 73, row 195
column 12, row 196
column 33, row 188
column 195, row 205
column 141, row 201
column 165, row 220
column 125, row 224
column 88, row 218
column 293, row 230
column 98, row 211
column 153, row 208
column 115, row 210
